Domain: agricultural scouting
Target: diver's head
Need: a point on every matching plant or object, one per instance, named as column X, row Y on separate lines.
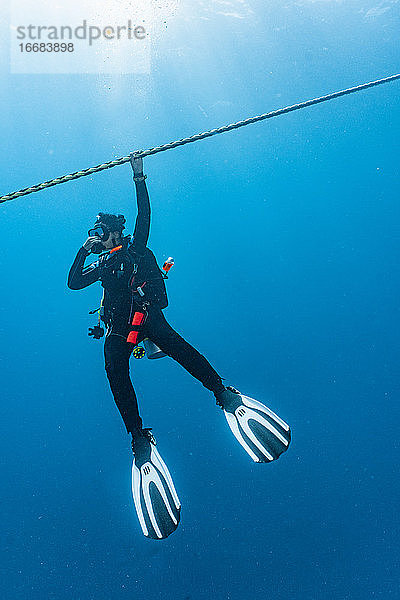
column 108, row 228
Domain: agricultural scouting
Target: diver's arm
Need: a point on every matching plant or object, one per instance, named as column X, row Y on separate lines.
column 79, row 277
column 142, row 226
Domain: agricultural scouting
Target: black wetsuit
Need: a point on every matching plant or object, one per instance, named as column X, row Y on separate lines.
column 115, row 273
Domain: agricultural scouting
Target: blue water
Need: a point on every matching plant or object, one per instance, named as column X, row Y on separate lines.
column 286, row 241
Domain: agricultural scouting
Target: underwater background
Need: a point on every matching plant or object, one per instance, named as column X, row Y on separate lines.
column 286, row 241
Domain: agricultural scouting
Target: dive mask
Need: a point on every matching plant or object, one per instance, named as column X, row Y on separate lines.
column 102, row 232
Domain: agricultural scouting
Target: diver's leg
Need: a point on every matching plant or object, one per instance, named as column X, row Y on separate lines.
column 116, row 353
column 159, row 331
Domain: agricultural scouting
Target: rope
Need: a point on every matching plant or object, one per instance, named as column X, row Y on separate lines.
column 195, row 138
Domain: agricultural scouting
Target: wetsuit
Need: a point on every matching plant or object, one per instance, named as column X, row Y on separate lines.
column 115, row 271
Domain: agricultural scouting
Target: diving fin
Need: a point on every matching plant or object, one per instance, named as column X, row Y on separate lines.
column 261, row 432
column 156, row 501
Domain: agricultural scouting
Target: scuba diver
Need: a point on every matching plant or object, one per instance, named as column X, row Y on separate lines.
column 133, row 300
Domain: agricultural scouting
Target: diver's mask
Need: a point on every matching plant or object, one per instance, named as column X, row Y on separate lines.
column 102, row 232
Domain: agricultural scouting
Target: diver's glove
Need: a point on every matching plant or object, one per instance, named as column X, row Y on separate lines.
column 90, row 242
column 137, row 166
column 96, row 332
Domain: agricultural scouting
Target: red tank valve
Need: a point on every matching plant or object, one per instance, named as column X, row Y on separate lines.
column 169, row 263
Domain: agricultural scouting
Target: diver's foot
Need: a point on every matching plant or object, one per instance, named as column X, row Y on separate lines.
column 219, row 396
column 143, row 433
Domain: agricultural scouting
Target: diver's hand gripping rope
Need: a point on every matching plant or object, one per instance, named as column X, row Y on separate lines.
column 194, row 138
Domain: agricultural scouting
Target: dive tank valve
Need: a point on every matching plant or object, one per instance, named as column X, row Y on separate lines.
column 167, row 266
